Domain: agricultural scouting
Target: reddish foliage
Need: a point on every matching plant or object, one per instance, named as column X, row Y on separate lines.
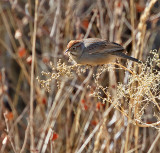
column 149, row 122
column 119, row 4
column 84, row 104
column 85, row 23
column 9, row 116
column 44, row 101
column 83, row 101
column 21, row 52
column 85, row 107
column 98, row 105
column 103, row 105
column 139, row 8
column 54, row 136
column 113, row 86
column 94, row 122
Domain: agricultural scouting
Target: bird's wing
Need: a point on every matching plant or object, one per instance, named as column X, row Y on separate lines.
column 100, row 46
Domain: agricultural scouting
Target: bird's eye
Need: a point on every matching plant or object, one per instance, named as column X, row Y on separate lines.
column 74, row 48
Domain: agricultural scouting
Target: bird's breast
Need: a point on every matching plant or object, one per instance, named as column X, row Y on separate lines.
column 96, row 59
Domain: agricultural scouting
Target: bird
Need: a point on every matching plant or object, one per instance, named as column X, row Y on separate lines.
column 95, row 51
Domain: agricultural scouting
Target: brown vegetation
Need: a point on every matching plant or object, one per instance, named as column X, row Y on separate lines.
column 48, row 104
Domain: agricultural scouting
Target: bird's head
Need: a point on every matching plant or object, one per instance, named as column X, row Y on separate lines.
column 75, row 48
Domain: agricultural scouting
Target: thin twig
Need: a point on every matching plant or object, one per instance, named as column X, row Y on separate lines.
column 96, row 128
column 32, row 77
column 90, row 24
column 58, row 95
column 154, row 142
column 9, row 135
column 25, row 138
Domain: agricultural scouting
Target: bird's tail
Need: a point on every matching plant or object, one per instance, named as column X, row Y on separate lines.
column 120, row 54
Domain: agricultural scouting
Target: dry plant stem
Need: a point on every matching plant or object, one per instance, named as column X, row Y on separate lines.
column 53, row 30
column 18, row 119
column 86, row 82
column 133, row 48
column 77, row 118
column 10, row 131
column 144, row 124
column 132, row 23
column 136, row 134
column 154, row 142
column 112, row 81
column 112, row 20
column 139, row 82
column 75, row 127
column 83, row 83
column 50, row 132
column 127, row 42
column 90, row 24
column 68, row 19
column 105, row 114
column 142, row 28
column 102, row 29
column 124, row 68
column 120, row 29
column 7, row 48
column 8, row 28
column 65, row 29
column 57, row 39
column 47, row 123
column 144, row 138
column 115, row 105
column 30, row 12
column 19, row 61
column 13, row 23
column 134, row 149
column 2, row 86
column 9, row 135
column 2, row 81
column 15, row 100
column 127, row 133
column 55, row 116
column 148, row 125
column 25, row 138
column 32, row 146
column 105, row 146
column 97, row 141
column 84, row 130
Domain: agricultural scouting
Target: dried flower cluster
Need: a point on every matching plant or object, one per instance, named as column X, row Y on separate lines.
column 141, row 91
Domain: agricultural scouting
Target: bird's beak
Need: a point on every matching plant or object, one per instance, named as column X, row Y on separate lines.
column 66, row 51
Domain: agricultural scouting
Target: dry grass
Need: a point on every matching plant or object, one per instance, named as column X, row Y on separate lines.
column 50, row 105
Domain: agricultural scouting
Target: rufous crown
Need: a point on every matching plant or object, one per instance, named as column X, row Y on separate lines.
column 72, row 42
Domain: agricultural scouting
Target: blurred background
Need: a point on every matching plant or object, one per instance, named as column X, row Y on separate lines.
column 67, row 118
